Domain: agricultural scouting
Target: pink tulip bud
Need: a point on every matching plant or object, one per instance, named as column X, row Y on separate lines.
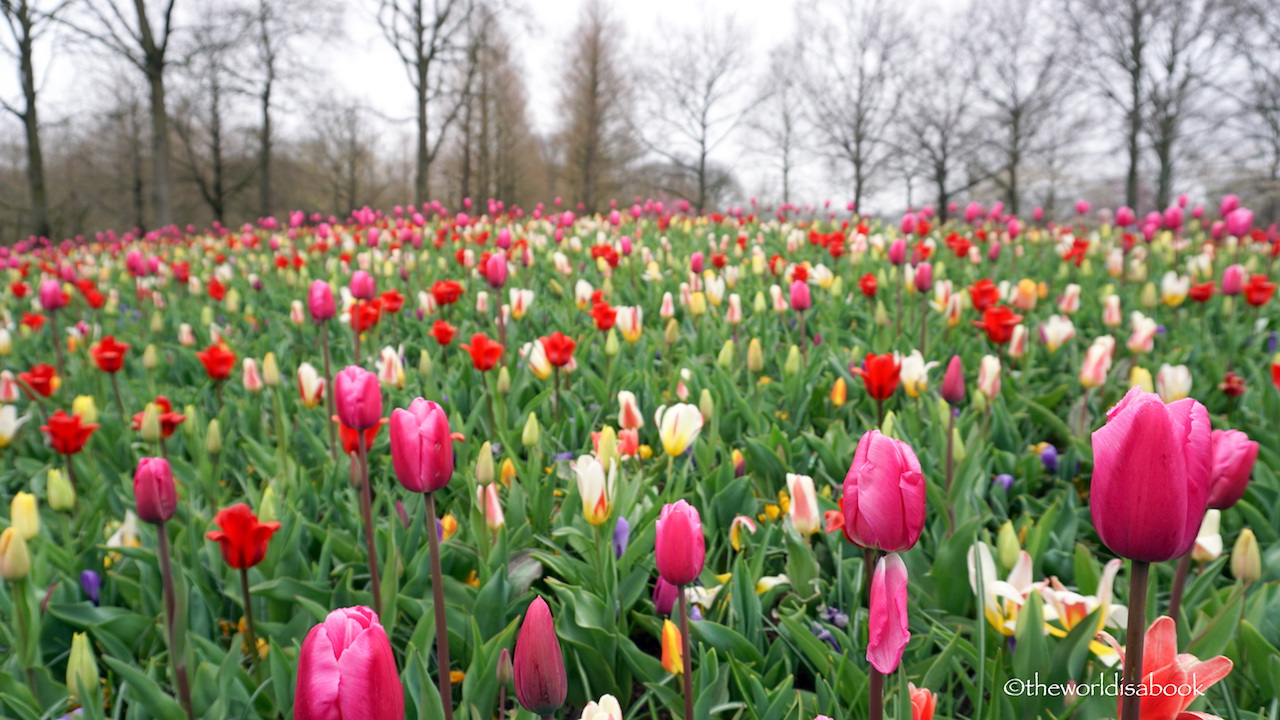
column 358, row 398
column 664, row 596
column 801, row 299
column 320, row 301
column 887, row 633
column 1172, row 217
column 541, row 683
column 1233, row 457
column 953, row 381
column 1197, row 212
column 898, row 251
column 1037, row 214
column 1082, row 207
column 1229, row 203
column 1151, row 470
column 362, row 287
column 1239, row 222
column 924, row 277
column 908, row 224
column 153, row 490
column 346, row 667
column 972, row 212
column 251, row 377
column 421, row 446
column 51, row 295
column 1013, row 227
column 495, row 270
column 883, row 500
column 1125, row 216
column 1233, row 279
column 679, row 547
column 696, row 262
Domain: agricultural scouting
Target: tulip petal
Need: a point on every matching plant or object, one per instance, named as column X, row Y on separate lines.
column 887, row 626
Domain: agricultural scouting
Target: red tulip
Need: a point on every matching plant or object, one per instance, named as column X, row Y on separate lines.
column 109, row 354
column 42, row 379
column 169, row 420
column 999, row 322
column 443, row 332
column 1151, row 470
column 446, row 292
column 68, row 433
column 1259, row 290
column 485, row 353
column 350, row 437
column 679, row 547
column 1172, row 680
column 541, row 684
column 365, row 314
column 604, row 315
column 154, row 493
column 880, row 374
column 1201, row 292
column 347, row 671
column 867, row 284
column 984, row 294
column 884, row 495
column 421, row 446
column 242, row 539
column 218, row 361
column 559, row 348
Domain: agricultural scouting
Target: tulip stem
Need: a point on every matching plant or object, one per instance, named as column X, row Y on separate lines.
column 924, row 322
column 171, row 621
column 687, row 670
column 804, row 344
column 366, row 514
column 1179, row 581
column 875, row 694
column 251, row 636
column 115, row 385
column 897, row 332
column 951, row 431
column 57, row 346
column 21, row 615
column 328, row 396
column 1135, row 633
column 437, row 607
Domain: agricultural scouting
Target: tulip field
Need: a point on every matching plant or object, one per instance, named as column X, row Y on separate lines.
column 771, row 464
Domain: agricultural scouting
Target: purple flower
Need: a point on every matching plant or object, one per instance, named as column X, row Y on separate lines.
column 835, row 617
column 1049, row 457
column 91, row 583
column 823, row 634
column 563, row 457
column 1005, row 480
column 621, row 536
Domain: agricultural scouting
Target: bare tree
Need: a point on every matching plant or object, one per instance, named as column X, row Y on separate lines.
column 1025, row 82
column 853, row 80
column 127, row 27
column 1112, row 36
column 1257, row 124
column 781, row 121
column 429, row 36
column 27, row 20
column 595, row 136
column 344, row 150
column 695, row 99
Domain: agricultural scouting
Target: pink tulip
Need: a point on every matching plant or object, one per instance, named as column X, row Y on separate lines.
column 679, row 547
column 1229, row 203
column 495, row 270
column 1182, row 200
column 358, row 398
column 320, row 301
column 362, row 287
column 1013, row 227
column 695, row 262
column 883, row 501
column 924, row 277
column 154, row 493
column 1239, row 222
column 1082, row 207
column 801, row 300
column 1151, row 470
column 1037, row 214
column 51, row 295
column 346, row 670
column 541, row 684
column 1233, row 279
column 953, row 381
column 898, row 251
column 1197, row 212
column 908, row 224
column 972, row 212
column 1233, row 457
column 1217, row 229
column 421, row 446
column 887, row 633
column 664, row 596
column 1125, row 216
column 1172, row 217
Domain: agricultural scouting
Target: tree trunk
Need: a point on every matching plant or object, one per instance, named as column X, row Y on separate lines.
column 264, row 153
column 31, row 123
column 160, row 179
column 421, row 181
column 1135, row 107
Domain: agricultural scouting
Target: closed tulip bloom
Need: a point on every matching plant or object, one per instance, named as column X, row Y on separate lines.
column 924, row 277
column 989, row 376
column 1233, row 279
column 24, row 515
column 347, row 671
column 310, row 385
column 541, row 683
column 251, row 377
column 490, row 506
column 953, row 381
column 1150, row 486
column 1111, row 315
column 153, row 490
column 1234, row 455
column 1208, row 545
column 1173, row 382
column 898, row 248
column 1141, row 377
column 1238, row 222
column 801, row 299
column 1246, row 557
column 629, row 415
column 61, row 493
column 362, row 286
column 884, row 495
column 679, row 546
column 880, row 374
column 358, row 397
column 495, row 270
column 805, row 516
column 755, row 356
column 887, row 633
column 672, row 659
column 1069, row 302
column 421, row 446
column 15, row 559
column 82, row 667
column 664, row 596
column 51, row 295
column 241, row 537
column 320, row 301
column 678, row 427
column 839, row 392
column 1056, row 331
column 1097, row 362
column 596, row 490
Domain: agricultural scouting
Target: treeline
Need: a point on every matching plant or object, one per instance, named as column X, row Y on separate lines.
column 195, row 112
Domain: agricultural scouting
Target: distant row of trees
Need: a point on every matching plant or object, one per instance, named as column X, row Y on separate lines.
column 1025, row 101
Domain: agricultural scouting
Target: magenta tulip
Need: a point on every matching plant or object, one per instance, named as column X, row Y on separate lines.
column 953, row 381
column 51, row 295
column 664, row 596
column 1125, row 216
column 346, row 670
column 1239, row 222
column 924, row 277
column 359, row 398
column 696, row 262
column 801, row 299
column 362, row 287
column 1082, row 207
column 320, row 301
column 887, row 633
column 495, row 270
column 898, row 251
column 680, row 547
column 421, row 446
column 153, row 490
column 883, row 500
column 541, row 684
column 908, row 224
column 1233, row 279
column 1233, row 457
column 1151, row 465
column 1229, row 203
column 972, row 212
